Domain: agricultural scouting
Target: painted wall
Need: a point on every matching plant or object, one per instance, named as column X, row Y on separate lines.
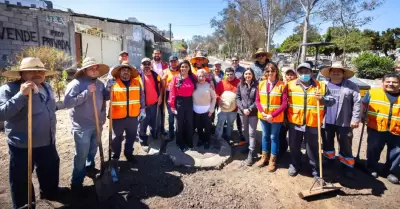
column 22, row 27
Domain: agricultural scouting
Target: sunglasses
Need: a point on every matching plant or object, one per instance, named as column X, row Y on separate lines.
column 146, row 64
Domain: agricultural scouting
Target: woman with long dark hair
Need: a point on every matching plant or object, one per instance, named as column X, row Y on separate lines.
column 181, row 103
column 247, row 109
column 271, row 101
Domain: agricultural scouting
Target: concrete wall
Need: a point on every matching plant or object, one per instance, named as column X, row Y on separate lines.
column 22, row 27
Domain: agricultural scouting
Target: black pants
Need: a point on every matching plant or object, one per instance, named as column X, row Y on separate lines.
column 239, row 126
column 47, row 164
column 184, row 120
column 203, row 126
column 376, row 142
column 128, row 125
column 311, row 140
column 283, row 142
column 344, row 136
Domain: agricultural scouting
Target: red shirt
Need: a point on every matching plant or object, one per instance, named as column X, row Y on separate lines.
column 150, row 90
column 185, row 90
column 226, row 85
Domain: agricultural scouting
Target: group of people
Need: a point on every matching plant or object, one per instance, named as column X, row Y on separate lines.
column 193, row 95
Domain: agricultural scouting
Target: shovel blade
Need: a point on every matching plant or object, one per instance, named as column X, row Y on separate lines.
column 317, row 191
column 105, row 186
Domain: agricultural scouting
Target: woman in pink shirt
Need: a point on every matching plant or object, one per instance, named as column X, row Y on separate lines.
column 181, row 102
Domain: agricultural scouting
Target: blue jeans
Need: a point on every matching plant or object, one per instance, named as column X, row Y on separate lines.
column 270, row 136
column 171, row 120
column 149, row 120
column 229, row 117
column 85, row 151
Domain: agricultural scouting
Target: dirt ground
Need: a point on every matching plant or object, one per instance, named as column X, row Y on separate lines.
column 153, row 182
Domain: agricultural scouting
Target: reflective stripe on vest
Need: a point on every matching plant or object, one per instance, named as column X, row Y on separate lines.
column 120, row 104
column 302, row 108
column 271, row 101
column 381, row 113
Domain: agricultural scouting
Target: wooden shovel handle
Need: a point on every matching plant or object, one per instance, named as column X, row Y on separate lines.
column 30, row 149
column 96, row 116
column 319, row 138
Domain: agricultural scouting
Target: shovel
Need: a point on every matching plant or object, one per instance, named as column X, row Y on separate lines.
column 323, row 187
column 104, row 182
column 30, row 203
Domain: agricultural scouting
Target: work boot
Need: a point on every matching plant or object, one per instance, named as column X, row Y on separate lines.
column 272, row 164
column 264, row 160
column 392, row 179
column 292, row 171
column 249, row 161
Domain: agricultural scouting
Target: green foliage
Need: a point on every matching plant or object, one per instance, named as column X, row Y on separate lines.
column 52, row 58
column 292, row 43
column 371, row 66
column 353, row 41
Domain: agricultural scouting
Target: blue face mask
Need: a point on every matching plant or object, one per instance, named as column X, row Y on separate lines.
column 305, row 77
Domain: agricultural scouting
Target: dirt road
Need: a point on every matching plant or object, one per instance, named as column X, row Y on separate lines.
column 155, row 183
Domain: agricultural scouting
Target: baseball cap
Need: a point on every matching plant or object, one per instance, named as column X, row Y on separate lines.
column 304, row 65
column 145, row 60
column 171, row 58
column 217, row 62
column 123, row 52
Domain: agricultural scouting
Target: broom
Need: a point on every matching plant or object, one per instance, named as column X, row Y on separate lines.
column 323, row 188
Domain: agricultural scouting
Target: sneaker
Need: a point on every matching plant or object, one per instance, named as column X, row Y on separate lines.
column 292, row 171
column 392, row 179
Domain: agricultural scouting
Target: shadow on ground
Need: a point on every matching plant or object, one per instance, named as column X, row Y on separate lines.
column 147, row 178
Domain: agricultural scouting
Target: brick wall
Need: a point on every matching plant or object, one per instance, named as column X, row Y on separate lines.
column 21, row 27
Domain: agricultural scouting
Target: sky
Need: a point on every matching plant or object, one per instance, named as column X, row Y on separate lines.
column 192, row 17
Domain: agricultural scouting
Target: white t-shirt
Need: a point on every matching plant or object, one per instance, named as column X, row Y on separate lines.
column 157, row 67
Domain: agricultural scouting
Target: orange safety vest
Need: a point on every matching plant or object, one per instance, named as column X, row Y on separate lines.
column 170, row 76
column 304, row 103
column 120, row 101
column 271, row 101
column 381, row 112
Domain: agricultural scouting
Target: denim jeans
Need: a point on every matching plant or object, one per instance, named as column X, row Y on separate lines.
column 45, row 161
column 270, row 137
column 149, row 120
column 229, row 117
column 85, row 151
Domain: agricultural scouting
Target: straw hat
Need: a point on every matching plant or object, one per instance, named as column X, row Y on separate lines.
column 347, row 73
column 28, row 64
column 124, row 64
column 89, row 62
column 228, row 101
column 199, row 54
column 262, row 51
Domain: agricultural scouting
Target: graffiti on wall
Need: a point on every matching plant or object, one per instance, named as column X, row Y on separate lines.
column 55, row 19
column 18, row 35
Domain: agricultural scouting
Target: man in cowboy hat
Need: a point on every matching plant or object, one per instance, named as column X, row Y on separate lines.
column 383, row 114
column 13, row 110
column 226, row 99
column 153, row 99
column 127, row 106
column 303, row 94
column 342, row 117
column 199, row 61
column 261, row 58
column 79, row 99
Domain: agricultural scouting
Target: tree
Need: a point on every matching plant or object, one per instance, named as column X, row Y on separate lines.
column 292, row 43
column 308, row 6
column 346, row 13
column 374, row 39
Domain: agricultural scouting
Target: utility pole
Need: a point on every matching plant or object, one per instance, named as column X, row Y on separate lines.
column 170, row 36
column 269, row 24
